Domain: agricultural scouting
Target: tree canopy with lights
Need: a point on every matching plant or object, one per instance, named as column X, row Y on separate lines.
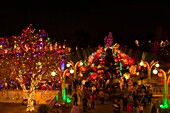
column 30, row 59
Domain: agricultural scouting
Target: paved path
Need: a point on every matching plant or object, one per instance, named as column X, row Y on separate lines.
column 99, row 108
column 106, row 108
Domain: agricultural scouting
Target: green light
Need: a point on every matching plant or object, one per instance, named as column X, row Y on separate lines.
column 165, row 103
column 161, row 106
column 91, row 73
column 48, row 38
column 64, row 95
column 120, row 65
column 116, row 64
column 68, row 100
column 56, row 97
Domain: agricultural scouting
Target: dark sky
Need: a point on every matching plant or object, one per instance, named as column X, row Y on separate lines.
column 61, row 19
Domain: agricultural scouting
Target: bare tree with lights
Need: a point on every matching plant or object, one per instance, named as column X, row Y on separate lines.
column 33, row 59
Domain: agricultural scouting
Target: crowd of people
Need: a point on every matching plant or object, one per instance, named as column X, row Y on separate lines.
column 133, row 99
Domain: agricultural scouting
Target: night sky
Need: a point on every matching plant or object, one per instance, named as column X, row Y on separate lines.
column 64, row 20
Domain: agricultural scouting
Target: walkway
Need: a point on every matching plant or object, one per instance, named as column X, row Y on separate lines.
column 106, row 108
column 99, row 108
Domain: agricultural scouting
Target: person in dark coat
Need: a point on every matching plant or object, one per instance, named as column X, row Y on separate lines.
column 75, row 96
column 85, row 101
column 125, row 101
column 154, row 108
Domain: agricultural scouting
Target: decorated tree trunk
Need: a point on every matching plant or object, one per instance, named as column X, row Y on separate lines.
column 30, row 94
column 30, row 99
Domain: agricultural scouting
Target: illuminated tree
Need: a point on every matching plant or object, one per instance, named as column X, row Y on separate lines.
column 33, row 58
column 108, row 40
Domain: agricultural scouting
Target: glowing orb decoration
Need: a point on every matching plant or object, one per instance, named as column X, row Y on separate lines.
column 81, row 63
column 141, row 63
column 53, row 73
column 157, row 65
column 155, row 71
column 68, row 65
column 71, row 71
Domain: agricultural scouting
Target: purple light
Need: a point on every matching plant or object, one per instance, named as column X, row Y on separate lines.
column 18, row 54
column 44, row 35
column 62, row 66
column 1, row 86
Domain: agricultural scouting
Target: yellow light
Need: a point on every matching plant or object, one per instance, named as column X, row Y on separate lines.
column 141, row 63
column 145, row 65
column 53, row 73
column 81, row 74
column 126, row 75
column 137, row 73
column 81, row 63
column 68, row 65
column 155, row 71
column 157, row 65
column 71, row 71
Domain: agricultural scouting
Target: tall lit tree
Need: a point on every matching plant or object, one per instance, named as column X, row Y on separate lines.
column 31, row 60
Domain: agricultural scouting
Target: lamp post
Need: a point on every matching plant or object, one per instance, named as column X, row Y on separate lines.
column 63, row 85
column 75, row 66
column 165, row 94
column 63, row 76
column 72, row 70
column 149, row 67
